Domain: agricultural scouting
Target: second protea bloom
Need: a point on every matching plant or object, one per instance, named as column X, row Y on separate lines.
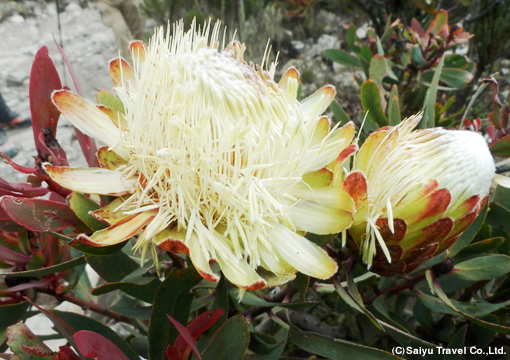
column 415, row 193
column 209, row 156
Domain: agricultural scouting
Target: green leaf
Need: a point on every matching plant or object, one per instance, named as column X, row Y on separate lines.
column 251, row 299
column 335, row 349
column 116, row 267
column 456, row 78
column 469, row 234
column 351, row 38
column 339, row 113
column 429, row 105
column 455, row 61
column 457, row 342
column 475, row 309
column 343, row 58
column 131, row 308
column 302, row 282
column 417, row 55
column 50, row 269
column 319, row 240
column 275, row 354
column 230, row 342
column 502, row 197
column 498, row 217
column 82, row 205
column 365, row 59
column 11, row 313
column 377, row 69
column 434, row 285
column 172, row 298
column 393, row 109
column 483, row 246
column 483, row 267
column 371, row 102
column 81, row 322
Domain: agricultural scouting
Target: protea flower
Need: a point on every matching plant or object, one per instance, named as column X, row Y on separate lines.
column 209, row 156
column 415, row 193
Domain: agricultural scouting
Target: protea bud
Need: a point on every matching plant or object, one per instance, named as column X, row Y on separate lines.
column 415, row 193
column 209, row 156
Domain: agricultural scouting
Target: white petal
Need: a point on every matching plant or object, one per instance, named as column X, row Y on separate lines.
column 239, row 272
column 200, row 259
column 318, row 102
column 273, row 262
column 302, row 254
column 327, row 196
column 90, row 180
column 502, row 180
column 89, row 119
column 318, row 218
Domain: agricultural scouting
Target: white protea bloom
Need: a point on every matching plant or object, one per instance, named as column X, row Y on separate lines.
column 209, row 156
column 415, row 193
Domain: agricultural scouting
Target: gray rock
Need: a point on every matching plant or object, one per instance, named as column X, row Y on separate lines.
column 299, row 46
column 16, row 78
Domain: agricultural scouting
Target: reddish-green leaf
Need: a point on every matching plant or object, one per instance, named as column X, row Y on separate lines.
column 97, row 346
column 439, row 24
column 62, row 326
column 26, row 345
column 501, row 147
column 41, row 215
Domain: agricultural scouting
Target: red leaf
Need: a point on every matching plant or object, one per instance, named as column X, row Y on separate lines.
column 41, row 215
column 187, row 339
column 17, row 189
column 171, row 353
column 43, row 80
column 195, row 329
column 66, row 353
column 97, row 346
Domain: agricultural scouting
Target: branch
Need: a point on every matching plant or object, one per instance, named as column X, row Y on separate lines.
column 91, row 306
